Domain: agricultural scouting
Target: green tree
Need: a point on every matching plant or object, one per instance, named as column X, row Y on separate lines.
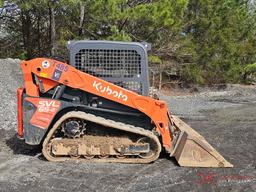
column 50, row 23
column 130, row 20
column 210, row 40
column 31, row 27
column 223, row 32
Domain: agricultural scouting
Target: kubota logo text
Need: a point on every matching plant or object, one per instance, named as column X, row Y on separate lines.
column 106, row 89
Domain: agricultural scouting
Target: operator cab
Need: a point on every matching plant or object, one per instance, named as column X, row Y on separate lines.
column 122, row 63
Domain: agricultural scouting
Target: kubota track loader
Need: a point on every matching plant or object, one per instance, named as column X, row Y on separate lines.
column 97, row 109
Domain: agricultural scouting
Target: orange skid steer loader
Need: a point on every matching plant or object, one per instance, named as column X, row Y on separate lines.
column 97, row 109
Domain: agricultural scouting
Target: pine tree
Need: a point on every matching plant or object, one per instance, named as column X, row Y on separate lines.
column 223, row 32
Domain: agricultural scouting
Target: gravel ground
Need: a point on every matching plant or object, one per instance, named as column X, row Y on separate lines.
column 226, row 118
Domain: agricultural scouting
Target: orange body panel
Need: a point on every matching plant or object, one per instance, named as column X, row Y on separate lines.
column 45, row 112
column 51, row 73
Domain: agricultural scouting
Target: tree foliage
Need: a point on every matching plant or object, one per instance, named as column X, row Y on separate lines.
column 224, row 34
column 212, row 41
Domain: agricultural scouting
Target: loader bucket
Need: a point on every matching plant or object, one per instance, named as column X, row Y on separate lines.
column 192, row 150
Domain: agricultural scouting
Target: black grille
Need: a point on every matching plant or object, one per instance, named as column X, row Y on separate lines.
column 116, row 66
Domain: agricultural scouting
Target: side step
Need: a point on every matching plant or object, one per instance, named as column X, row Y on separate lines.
column 193, row 150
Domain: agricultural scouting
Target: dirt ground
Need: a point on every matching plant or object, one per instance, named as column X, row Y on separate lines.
column 226, row 117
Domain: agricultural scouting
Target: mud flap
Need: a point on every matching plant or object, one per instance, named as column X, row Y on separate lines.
column 192, row 150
